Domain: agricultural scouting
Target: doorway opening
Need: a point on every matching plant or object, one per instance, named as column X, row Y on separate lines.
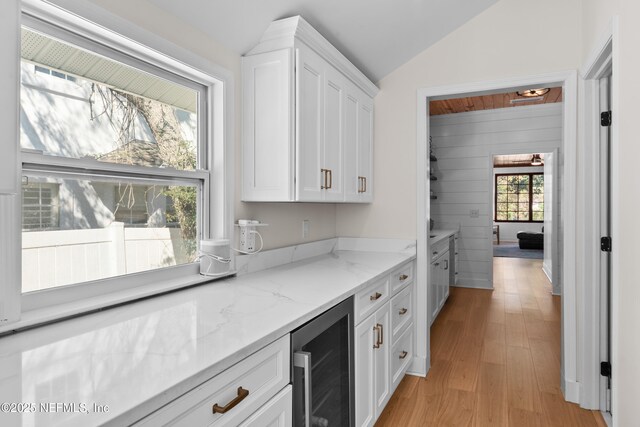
column 476, row 222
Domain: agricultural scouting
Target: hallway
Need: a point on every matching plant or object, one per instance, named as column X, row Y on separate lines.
column 495, row 359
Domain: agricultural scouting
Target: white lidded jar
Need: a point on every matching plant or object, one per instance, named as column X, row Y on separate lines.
column 215, row 257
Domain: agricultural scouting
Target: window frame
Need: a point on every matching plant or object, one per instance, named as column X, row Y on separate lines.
column 82, row 23
column 495, row 196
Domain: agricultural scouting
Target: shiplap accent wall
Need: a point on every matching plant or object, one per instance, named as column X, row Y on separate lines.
column 465, row 144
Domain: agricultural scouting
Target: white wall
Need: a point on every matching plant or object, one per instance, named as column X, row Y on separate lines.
column 509, row 230
column 498, row 43
column 465, row 144
column 284, row 219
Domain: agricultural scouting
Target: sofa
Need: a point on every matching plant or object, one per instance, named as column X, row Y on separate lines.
column 531, row 239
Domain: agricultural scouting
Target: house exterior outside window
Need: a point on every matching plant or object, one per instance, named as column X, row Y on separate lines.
column 119, row 142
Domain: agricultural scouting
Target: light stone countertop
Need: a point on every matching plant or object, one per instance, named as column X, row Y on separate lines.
column 137, row 357
column 439, row 235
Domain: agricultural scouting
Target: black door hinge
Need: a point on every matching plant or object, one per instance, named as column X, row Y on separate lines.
column 605, row 118
column 605, row 369
column 605, row 244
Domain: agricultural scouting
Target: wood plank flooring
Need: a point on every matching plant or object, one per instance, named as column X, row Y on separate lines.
column 495, row 359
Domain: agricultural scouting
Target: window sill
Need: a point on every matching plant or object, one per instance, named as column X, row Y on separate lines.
column 56, row 313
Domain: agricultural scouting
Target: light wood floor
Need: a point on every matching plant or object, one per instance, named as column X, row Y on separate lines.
column 495, row 359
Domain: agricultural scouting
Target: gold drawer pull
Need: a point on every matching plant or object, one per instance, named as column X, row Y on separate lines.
column 376, row 329
column 403, row 354
column 403, row 311
column 242, row 393
column 403, row 277
column 375, row 296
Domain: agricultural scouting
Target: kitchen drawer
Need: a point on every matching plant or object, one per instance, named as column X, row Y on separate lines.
column 263, row 374
column 278, row 412
column 439, row 248
column 371, row 298
column 401, row 312
column 401, row 277
column 401, row 357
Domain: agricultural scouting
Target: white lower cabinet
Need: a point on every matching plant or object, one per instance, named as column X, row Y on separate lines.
column 373, row 388
column 439, row 284
column 364, row 372
column 234, row 395
column 277, row 412
column 387, row 331
column 401, row 357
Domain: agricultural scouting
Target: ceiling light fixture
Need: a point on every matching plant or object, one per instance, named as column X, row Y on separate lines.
column 536, row 160
column 529, row 93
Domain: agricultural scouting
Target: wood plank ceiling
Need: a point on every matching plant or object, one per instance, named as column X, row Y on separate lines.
column 514, row 160
column 489, row 102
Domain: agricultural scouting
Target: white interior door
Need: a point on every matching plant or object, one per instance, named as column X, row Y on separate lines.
column 605, row 256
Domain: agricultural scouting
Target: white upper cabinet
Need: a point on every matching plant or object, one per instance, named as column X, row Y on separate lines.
column 307, row 120
column 358, row 147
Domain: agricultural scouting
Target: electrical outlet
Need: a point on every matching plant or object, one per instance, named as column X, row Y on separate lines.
column 247, row 238
column 474, row 213
column 306, row 224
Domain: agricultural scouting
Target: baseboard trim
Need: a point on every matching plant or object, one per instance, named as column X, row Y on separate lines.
column 419, row 367
column 545, row 270
column 571, row 391
column 488, row 286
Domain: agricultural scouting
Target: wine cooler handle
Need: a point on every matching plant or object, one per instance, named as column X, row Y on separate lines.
column 302, row 359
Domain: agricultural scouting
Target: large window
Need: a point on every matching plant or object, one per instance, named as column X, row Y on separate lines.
column 114, row 163
column 519, row 197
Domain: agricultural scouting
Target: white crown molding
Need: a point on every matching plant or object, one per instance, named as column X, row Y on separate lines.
column 284, row 33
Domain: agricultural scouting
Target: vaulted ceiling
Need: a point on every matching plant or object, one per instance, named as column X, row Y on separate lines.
column 377, row 36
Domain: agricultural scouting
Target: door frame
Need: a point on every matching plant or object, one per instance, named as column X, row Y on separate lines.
column 555, row 260
column 601, row 61
column 569, row 82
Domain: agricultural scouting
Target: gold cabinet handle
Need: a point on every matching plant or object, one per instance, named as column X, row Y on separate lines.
column 362, row 184
column 330, row 178
column 375, row 296
column 403, row 277
column 403, row 311
column 376, row 330
column 324, row 173
column 242, row 393
column 381, row 334
column 364, row 178
column 403, row 354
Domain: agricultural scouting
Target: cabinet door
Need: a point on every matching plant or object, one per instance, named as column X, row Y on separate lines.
column 433, row 290
column 309, row 125
column 365, row 150
column 334, row 96
column 443, row 285
column 381, row 359
column 267, row 93
column 456, row 267
column 364, row 373
column 358, row 164
column 351, row 180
